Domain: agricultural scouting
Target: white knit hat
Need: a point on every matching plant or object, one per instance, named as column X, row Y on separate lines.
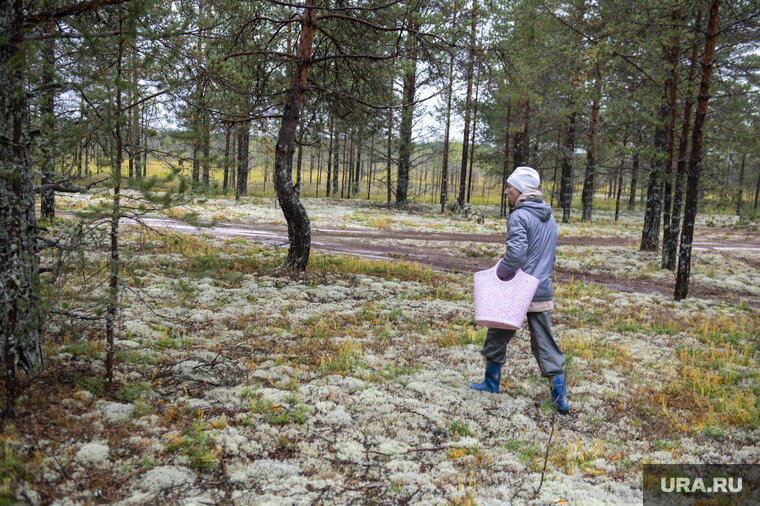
column 524, row 179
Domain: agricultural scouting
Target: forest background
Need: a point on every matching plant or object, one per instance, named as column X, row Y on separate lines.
column 620, row 106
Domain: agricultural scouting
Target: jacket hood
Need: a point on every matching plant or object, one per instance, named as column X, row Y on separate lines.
column 537, row 207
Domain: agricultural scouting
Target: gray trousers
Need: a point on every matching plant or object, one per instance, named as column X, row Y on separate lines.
column 548, row 355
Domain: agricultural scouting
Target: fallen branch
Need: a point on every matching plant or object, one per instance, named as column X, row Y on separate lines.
column 66, row 187
column 546, row 456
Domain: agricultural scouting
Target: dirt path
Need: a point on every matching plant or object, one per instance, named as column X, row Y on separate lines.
column 378, row 244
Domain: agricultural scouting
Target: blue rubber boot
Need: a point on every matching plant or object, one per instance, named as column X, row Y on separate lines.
column 491, row 382
column 559, row 394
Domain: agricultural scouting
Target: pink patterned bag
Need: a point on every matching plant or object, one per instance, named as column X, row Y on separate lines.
column 503, row 304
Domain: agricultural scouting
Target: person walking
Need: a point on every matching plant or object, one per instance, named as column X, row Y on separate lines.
column 531, row 244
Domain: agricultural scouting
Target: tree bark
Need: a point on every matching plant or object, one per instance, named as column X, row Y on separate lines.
column 449, row 95
column 388, row 155
column 329, row 161
column 739, row 190
column 505, row 163
column 620, row 177
column 225, row 180
column 670, row 243
column 566, row 185
column 672, row 57
column 244, row 136
column 47, row 112
column 114, row 264
column 472, row 141
column 588, row 180
column 336, row 166
column 468, row 106
column 692, row 184
column 407, row 114
column 663, row 155
column 20, row 321
column 634, row 176
column 299, row 228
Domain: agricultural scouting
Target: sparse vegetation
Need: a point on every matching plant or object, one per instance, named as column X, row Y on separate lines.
column 359, row 361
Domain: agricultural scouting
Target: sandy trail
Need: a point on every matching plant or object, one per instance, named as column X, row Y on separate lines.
column 382, row 244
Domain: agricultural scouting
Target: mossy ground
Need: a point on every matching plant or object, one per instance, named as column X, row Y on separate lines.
column 349, row 381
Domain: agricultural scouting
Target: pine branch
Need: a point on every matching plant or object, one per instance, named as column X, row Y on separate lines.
column 71, row 10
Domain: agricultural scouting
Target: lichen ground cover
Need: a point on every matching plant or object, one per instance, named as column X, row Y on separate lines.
column 239, row 382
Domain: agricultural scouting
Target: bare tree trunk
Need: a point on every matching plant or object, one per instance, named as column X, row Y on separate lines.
column 336, row 166
column 740, row 190
column 672, row 57
column 588, row 180
column 407, row 116
column 244, row 136
column 357, row 174
column 670, row 242
column 47, row 112
column 505, row 163
column 206, row 145
column 300, row 157
column 472, row 142
column 388, row 156
column 692, row 184
column 620, row 176
column 233, row 160
column 343, row 167
column 663, row 154
column 566, row 186
column 299, row 228
column 196, row 175
column 556, row 166
column 20, row 320
column 522, row 137
column 329, row 160
column 114, row 264
column 371, row 166
column 634, row 175
column 227, row 131
column 349, row 186
column 468, row 105
column 449, row 94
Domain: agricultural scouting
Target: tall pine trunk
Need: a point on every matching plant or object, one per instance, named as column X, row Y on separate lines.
column 388, row 155
column 114, row 263
column 225, row 180
column 449, row 95
column 620, row 177
column 673, row 59
column 468, row 106
column 663, row 154
column 472, row 142
column 692, row 183
column 299, row 228
column 20, row 321
column 505, row 163
column 670, row 241
column 407, row 113
column 47, row 111
column 243, row 138
column 566, row 185
column 588, row 180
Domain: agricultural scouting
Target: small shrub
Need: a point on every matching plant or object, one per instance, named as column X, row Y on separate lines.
column 196, row 444
column 460, row 429
column 132, row 391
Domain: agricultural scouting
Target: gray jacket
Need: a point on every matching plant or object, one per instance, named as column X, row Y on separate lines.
column 531, row 244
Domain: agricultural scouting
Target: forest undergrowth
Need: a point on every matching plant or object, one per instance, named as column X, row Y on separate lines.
column 238, row 381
